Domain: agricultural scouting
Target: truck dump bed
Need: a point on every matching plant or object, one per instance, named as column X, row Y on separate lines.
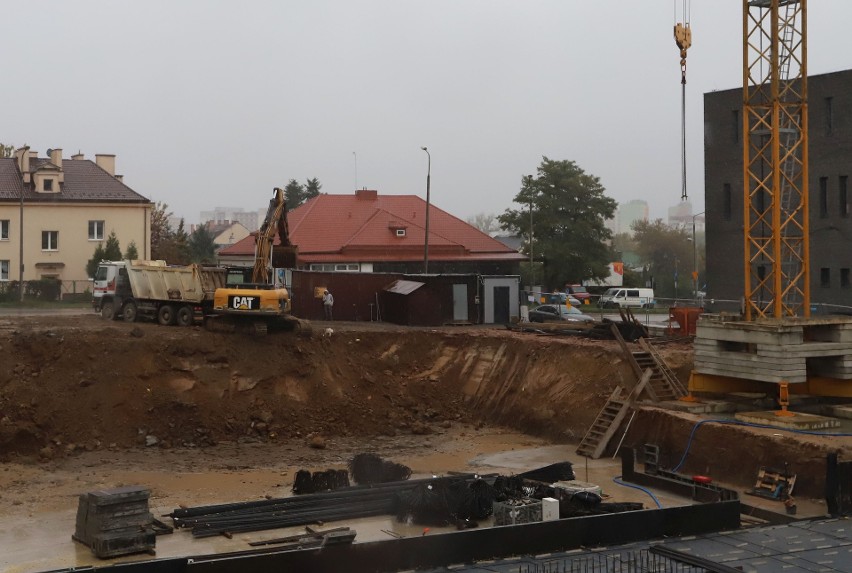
column 192, row 283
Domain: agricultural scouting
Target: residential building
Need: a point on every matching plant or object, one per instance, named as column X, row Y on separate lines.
column 830, row 165
column 368, row 232
column 68, row 207
column 225, row 233
column 628, row 213
column 248, row 219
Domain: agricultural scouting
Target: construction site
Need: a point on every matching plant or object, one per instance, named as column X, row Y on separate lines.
column 713, row 443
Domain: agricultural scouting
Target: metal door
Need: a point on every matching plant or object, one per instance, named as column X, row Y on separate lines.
column 460, row 302
column 501, row 305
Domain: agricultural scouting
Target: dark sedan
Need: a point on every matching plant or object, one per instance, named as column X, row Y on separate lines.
column 558, row 313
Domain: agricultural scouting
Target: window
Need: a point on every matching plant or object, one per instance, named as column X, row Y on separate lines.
column 400, row 232
column 96, row 230
column 825, row 277
column 823, row 197
column 48, row 184
column 4, row 270
column 736, row 125
column 4, row 229
column 844, row 278
column 726, row 198
column 346, row 267
column 49, row 240
column 829, row 115
column 843, row 196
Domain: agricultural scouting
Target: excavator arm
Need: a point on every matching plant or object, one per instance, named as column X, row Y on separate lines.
column 267, row 253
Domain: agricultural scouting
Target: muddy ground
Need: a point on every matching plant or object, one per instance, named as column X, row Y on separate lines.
column 79, row 387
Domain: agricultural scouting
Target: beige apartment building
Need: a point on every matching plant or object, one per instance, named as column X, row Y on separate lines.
column 69, row 207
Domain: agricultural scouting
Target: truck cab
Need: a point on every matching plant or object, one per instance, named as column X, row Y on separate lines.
column 111, row 285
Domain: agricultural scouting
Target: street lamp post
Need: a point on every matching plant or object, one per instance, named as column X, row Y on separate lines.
column 695, row 258
column 426, row 240
column 532, row 271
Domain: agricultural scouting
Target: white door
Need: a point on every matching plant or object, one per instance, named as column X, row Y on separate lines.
column 460, row 302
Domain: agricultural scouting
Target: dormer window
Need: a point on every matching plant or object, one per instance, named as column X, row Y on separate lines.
column 48, row 185
column 397, row 228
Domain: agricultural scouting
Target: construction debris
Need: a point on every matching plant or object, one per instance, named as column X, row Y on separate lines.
column 115, row 522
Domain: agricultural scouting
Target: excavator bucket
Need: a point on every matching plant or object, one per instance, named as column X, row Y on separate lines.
column 284, row 257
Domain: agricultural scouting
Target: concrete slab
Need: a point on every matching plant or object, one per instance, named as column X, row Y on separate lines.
column 844, row 412
column 799, row 421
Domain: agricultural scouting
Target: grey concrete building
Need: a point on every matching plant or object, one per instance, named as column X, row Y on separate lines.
column 830, row 164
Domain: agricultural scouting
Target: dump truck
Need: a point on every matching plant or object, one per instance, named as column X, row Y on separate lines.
column 173, row 295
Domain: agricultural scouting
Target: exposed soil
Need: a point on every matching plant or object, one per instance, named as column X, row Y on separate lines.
column 73, row 384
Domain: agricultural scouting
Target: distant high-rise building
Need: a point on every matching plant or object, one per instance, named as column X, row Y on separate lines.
column 681, row 217
column 628, row 213
column 247, row 219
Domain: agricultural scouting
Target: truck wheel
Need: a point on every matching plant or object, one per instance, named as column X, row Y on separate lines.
column 166, row 315
column 130, row 312
column 107, row 311
column 185, row 316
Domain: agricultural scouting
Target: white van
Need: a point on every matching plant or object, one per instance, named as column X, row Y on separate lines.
column 627, row 297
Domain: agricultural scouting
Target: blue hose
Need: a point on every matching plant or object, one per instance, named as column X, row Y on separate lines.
column 617, row 479
column 738, row 423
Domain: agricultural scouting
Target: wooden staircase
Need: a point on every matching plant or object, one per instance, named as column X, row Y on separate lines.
column 657, row 382
column 609, row 419
column 665, row 383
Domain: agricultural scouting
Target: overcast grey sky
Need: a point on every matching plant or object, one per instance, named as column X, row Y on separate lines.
column 210, row 103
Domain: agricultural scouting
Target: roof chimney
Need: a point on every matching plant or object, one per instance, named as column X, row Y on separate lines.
column 33, row 154
column 56, row 157
column 366, row 194
column 23, row 156
column 78, row 157
column 106, row 162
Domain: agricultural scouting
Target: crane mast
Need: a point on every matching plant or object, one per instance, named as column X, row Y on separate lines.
column 775, row 159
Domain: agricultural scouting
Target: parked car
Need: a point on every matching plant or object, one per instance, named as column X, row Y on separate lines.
column 579, row 292
column 558, row 313
column 562, row 298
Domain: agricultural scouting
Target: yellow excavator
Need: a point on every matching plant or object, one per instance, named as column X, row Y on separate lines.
column 259, row 305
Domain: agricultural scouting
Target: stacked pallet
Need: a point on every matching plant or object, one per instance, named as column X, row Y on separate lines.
column 115, row 522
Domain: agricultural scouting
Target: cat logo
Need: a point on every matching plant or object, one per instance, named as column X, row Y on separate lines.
column 237, row 302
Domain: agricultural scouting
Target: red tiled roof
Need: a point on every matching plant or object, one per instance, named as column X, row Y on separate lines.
column 362, row 228
column 85, row 181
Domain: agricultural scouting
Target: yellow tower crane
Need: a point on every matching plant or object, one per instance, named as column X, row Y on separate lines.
column 775, row 159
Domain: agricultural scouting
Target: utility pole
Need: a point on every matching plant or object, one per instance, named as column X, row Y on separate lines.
column 532, row 268
column 426, row 241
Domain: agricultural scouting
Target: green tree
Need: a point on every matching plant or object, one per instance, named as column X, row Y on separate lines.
column 161, row 231
column 667, row 254
column 569, row 208
column 132, row 253
column 202, row 249
column 312, row 189
column 177, row 246
column 7, row 150
column 97, row 257
column 295, row 193
column 110, row 251
column 112, row 248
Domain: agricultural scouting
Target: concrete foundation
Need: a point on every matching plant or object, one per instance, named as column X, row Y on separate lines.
column 788, row 350
column 798, row 421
